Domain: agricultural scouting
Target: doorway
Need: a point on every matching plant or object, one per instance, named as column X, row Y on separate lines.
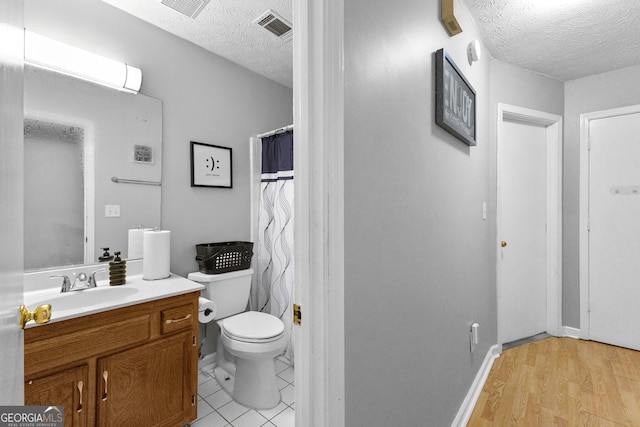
column 609, row 235
column 529, row 218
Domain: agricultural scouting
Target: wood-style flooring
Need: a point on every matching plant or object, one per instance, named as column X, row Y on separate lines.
column 561, row 382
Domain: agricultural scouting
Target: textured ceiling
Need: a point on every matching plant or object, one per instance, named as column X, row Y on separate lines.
column 564, row 39
column 225, row 28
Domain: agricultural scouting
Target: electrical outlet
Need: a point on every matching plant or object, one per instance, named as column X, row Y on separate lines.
column 112, row 211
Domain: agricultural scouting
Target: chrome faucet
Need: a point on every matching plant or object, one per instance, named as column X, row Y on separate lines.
column 80, row 282
column 92, row 279
column 66, row 283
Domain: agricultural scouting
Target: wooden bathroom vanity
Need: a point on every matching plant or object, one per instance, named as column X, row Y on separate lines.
column 129, row 366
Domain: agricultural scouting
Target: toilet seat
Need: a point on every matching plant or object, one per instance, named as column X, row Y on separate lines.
column 253, row 327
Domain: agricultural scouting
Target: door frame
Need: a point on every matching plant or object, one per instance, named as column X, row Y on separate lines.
column 11, row 210
column 318, row 117
column 553, row 124
column 585, row 120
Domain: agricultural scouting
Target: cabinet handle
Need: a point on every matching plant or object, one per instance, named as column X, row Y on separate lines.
column 182, row 319
column 80, row 385
column 105, row 376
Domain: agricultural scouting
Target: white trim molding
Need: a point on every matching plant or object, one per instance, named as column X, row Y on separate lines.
column 318, row 108
column 553, row 124
column 469, row 403
column 569, row 332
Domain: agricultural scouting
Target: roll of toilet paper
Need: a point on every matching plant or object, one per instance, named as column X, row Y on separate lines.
column 207, row 310
column 156, row 249
column 134, row 248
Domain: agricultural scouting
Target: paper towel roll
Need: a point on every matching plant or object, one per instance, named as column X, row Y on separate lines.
column 207, row 310
column 134, row 250
column 156, row 249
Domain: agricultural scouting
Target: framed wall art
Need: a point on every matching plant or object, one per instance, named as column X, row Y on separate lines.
column 210, row 165
column 455, row 100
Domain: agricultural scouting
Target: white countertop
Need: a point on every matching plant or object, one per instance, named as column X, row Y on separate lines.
column 104, row 297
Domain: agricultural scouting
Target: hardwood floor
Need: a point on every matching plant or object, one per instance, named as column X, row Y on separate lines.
column 561, row 382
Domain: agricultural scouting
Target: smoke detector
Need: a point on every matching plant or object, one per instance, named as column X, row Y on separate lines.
column 190, row 8
column 275, row 24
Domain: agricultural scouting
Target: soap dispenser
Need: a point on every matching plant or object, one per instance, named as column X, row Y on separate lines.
column 117, row 271
column 106, row 256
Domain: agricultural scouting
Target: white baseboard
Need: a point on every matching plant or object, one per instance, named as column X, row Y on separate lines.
column 469, row 403
column 570, row 332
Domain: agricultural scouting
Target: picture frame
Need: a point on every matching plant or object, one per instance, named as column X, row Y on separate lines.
column 210, row 165
column 455, row 100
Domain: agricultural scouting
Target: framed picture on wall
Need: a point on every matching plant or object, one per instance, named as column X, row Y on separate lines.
column 455, row 100
column 210, row 165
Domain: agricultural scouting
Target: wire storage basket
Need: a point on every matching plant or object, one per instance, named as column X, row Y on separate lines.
column 223, row 257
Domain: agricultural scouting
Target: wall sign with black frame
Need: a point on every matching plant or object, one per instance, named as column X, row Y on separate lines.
column 210, row 165
column 455, row 100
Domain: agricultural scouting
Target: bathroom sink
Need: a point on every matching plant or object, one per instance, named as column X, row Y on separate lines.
column 80, row 300
column 74, row 304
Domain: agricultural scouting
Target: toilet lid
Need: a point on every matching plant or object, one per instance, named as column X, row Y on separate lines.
column 253, row 325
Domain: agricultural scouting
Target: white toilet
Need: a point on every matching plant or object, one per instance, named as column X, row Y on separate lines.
column 248, row 342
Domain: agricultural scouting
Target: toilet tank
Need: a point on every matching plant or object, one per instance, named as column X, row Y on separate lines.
column 230, row 291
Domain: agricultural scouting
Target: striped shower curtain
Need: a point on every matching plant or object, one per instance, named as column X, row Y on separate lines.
column 273, row 288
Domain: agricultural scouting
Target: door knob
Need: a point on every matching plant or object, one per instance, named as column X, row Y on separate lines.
column 42, row 314
column 503, row 244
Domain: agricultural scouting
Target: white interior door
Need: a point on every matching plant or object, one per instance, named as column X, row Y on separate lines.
column 523, row 228
column 614, row 230
column 529, row 178
column 11, row 172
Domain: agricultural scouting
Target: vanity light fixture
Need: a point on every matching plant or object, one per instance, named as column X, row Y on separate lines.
column 51, row 54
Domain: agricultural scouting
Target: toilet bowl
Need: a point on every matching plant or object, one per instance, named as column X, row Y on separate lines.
column 253, row 339
column 248, row 341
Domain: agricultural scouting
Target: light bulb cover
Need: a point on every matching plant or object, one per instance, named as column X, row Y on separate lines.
column 53, row 55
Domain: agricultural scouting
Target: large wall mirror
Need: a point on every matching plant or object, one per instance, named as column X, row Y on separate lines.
column 78, row 137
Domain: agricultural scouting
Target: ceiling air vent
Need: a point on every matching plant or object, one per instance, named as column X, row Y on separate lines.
column 275, row 24
column 190, row 8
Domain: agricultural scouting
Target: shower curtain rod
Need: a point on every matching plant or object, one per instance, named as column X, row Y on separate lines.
column 273, row 132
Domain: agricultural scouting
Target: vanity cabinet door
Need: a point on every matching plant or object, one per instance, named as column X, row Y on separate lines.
column 67, row 388
column 149, row 385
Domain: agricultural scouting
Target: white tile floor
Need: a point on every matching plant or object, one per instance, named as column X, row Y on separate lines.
column 217, row 409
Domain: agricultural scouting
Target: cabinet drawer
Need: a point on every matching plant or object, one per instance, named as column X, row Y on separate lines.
column 50, row 353
column 177, row 319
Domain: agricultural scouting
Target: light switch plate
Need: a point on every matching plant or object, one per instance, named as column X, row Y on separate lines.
column 112, row 211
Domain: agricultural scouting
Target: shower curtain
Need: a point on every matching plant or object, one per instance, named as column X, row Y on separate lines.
column 273, row 290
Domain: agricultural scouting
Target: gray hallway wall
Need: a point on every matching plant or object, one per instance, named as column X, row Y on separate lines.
column 420, row 261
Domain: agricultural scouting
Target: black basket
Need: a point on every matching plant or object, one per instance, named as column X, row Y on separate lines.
column 223, row 257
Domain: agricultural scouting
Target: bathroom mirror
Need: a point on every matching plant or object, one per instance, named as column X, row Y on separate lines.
column 78, row 137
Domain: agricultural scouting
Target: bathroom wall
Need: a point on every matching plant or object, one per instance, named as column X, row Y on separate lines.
column 205, row 98
column 595, row 93
column 419, row 258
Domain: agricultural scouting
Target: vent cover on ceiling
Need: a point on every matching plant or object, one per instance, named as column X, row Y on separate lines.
column 275, row 24
column 190, row 8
